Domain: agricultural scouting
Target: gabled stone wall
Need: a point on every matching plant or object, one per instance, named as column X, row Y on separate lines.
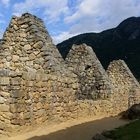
column 94, row 81
column 35, row 85
column 124, row 81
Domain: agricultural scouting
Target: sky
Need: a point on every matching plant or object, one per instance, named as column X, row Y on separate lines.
column 67, row 18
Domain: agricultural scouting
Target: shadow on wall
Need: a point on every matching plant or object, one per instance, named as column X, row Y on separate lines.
column 83, row 131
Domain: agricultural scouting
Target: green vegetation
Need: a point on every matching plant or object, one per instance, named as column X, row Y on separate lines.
column 127, row 132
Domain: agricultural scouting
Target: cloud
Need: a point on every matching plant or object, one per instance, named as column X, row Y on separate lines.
column 5, row 2
column 62, row 36
column 86, row 8
column 52, row 9
column 98, row 15
column 1, row 34
column 65, row 18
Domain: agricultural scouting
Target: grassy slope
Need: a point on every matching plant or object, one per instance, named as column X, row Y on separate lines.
column 127, row 132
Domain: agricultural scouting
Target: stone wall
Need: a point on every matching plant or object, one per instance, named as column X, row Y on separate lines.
column 94, row 82
column 124, row 81
column 37, row 85
column 34, row 82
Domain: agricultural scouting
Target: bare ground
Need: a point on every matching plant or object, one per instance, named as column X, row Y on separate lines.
column 83, row 129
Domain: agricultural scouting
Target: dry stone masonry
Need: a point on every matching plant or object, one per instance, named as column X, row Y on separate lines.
column 94, row 81
column 37, row 85
column 124, row 81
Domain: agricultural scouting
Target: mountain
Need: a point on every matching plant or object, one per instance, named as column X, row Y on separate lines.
column 122, row 42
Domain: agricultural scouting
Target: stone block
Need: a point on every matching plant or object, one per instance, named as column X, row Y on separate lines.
column 27, row 115
column 38, row 45
column 32, row 56
column 17, row 93
column 13, row 108
column 16, row 81
column 27, row 47
column 4, row 81
column 15, row 27
column 2, row 100
column 15, row 58
column 23, row 35
column 29, row 63
column 4, row 108
column 4, row 72
column 4, row 94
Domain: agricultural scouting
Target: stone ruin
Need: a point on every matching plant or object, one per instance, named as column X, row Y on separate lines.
column 124, row 81
column 94, row 81
column 37, row 85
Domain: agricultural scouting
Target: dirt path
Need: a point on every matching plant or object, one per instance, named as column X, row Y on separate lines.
column 77, row 130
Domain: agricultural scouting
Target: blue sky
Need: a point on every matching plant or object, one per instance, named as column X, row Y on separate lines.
column 66, row 18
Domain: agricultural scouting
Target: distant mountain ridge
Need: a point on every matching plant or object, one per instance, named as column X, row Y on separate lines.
column 122, row 42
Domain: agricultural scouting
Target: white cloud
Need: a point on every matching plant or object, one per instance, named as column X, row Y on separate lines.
column 78, row 16
column 86, row 7
column 51, row 8
column 5, row 2
column 98, row 15
column 62, row 36
column 1, row 34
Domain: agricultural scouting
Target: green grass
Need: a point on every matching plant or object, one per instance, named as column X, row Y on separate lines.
column 128, row 132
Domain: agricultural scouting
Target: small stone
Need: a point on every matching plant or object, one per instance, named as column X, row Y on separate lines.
column 16, row 81
column 29, row 63
column 2, row 100
column 4, row 108
column 4, row 81
column 7, row 64
column 27, row 47
column 15, row 58
column 32, row 56
column 17, row 93
column 15, row 27
column 8, row 58
column 36, row 52
column 24, row 26
column 30, row 75
column 39, row 84
column 13, row 108
column 23, row 35
column 19, row 52
column 1, row 65
column 38, row 45
column 75, row 86
column 4, row 94
column 27, row 115
column 4, row 72
column 23, row 59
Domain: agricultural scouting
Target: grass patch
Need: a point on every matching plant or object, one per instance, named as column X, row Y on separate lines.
column 128, row 132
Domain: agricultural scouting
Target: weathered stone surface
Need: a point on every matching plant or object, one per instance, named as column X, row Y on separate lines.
column 27, row 47
column 123, row 80
column 4, row 81
column 2, row 100
column 15, row 58
column 4, row 94
column 4, row 108
column 4, row 72
column 94, row 82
